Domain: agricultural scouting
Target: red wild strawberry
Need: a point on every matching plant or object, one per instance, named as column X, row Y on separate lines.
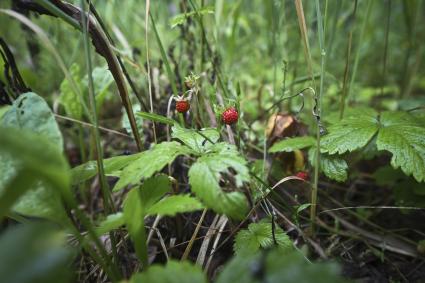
column 230, row 116
column 182, row 106
column 302, row 175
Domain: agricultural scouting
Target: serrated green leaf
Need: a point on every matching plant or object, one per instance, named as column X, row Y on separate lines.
column 353, row 112
column 402, row 135
column 30, row 112
column 172, row 205
column 332, row 166
column 156, row 118
column 199, row 141
column 150, row 162
column 172, row 272
column 111, row 165
column 291, row 144
column 204, row 178
column 112, row 222
column 349, row 134
column 68, row 98
column 260, row 235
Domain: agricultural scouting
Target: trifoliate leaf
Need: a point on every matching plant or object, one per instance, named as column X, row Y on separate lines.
column 404, row 137
column 150, row 162
column 205, row 175
column 350, row 133
column 291, row 144
column 332, row 166
column 172, row 205
column 249, row 241
column 199, row 141
column 172, row 272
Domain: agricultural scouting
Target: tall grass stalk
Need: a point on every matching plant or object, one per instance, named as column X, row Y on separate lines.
column 357, row 56
column 313, row 207
column 106, row 193
column 148, row 65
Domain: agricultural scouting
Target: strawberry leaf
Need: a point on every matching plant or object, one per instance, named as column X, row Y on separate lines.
column 351, row 133
column 332, row 166
column 149, row 162
column 291, row 144
column 199, row 141
column 172, row 205
column 205, row 174
column 260, row 235
column 403, row 136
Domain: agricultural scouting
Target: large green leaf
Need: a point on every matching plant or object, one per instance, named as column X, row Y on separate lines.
column 333, row 166
column 172, row 272
column 199, row 141
column 30, row 112
column 34, row 254
column 291, row 144
column 172, row 205
column 249, row 241
column 404, row 137
column 205, row 174
column 351, row 133
column 150, row 162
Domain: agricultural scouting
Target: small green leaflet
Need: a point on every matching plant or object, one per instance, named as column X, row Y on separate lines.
column 260, row 235
column 150, row 162
column 332, row 166
column 172, row 205
column 68, row 96
column 199, row 141
column 291, row 144
column 112, row 222
column 205, row 174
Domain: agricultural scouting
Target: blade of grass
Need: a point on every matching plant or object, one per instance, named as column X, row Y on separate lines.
column 148, row 65
column 313, row 207
column 106, row 193
column 357, row 57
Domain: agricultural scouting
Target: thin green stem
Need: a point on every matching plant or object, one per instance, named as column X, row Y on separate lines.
column 319, row 95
